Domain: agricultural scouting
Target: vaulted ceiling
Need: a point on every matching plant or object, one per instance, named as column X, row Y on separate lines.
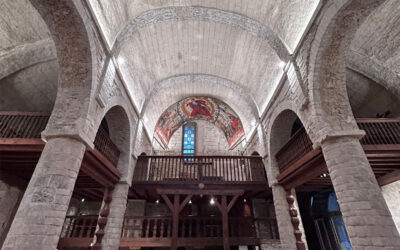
column 234, row 51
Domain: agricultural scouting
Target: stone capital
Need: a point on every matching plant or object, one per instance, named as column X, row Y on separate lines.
column 333, row 135
column 79, row 136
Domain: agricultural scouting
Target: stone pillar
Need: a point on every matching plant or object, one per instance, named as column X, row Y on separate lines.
column 115, row 219
column 391, row 193
column 365, row 213
column 286, row 231
column 41, row 215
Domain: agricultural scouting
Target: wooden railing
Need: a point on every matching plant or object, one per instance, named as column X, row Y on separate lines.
column 83, row 226
column 297, row 146
column 30, row 125
column 189, row 227
column 199, row 168
column 378, row 132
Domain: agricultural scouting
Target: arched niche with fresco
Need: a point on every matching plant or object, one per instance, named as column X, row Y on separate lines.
column 200, row 108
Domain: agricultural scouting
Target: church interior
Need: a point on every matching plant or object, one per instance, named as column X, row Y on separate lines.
column 199, row 124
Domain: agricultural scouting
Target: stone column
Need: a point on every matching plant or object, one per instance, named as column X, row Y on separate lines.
column 41, row 214
column 286, row 231
column 115, row 219
column 365, row 213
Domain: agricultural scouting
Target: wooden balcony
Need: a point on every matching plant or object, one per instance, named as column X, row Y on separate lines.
column 302, row 166
column 207, row 172
column 194, row 231
column 21, row 146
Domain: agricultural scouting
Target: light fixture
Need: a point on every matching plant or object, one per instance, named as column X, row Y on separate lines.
column 212, row 202
column 83, row 200
column 244, row 200
column 157, row 201
column 190, row 201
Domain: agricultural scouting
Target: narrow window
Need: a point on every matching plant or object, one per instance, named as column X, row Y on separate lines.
column 189, row 139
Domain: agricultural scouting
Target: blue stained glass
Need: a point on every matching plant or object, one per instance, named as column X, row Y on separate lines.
column 189, row 131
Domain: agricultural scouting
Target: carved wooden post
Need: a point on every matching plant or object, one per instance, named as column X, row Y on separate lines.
column 295, row 221
column 102, row 222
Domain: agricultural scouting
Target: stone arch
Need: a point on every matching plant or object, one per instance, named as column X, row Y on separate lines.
column 279, row 132
column 74, row 44
column 329, row 100
column 202, row 14
column 120, row 126
column 195, row 108
column 173, row 81
column 31, row 54
column 375, row 70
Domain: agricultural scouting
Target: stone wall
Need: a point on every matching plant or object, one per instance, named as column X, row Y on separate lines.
column 391, row 193
column 9, row 198
column 210, row 140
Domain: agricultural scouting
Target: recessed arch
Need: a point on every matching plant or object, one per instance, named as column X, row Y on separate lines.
column 201, row 79
column 119, row 127
column 200, row 108
column 202, row 14
column 174, row 88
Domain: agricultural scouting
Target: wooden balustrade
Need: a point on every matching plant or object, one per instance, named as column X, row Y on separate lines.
column 189, row 227
column 378, row 132
column 30, row 125
column 297, row 146
column 83, row 226
column 199, row 168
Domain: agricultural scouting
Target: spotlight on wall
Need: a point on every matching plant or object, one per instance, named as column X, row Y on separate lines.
column 83, row 200
column 212, row 202
column 157, row 201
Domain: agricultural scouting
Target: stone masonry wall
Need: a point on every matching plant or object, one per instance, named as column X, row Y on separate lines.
column 210, row 140
column 9, row 197
column 391, row 193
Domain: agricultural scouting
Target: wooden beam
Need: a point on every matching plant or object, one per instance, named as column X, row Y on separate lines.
column 389, row 178
column 175, row 223
column 225, row 222
column 201, row 192
column 168, row 202
column 232, row 202
column 186, row 200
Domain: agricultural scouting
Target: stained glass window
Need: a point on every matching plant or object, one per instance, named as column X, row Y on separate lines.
column 189, row 139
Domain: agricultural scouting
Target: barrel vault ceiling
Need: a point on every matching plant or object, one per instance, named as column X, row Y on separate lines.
column 232, row 50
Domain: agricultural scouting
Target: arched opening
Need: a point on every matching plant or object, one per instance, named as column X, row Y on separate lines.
column 289, row 145
column 369, row 99
column 219, row 128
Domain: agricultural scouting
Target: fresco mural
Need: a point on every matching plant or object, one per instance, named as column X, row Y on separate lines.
column 200, row 108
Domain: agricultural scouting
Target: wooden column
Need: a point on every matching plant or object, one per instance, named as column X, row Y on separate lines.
column 175, row 209
column 225, row 222
column 295, row 221
column 175, row 222
column 224, row 208
column 102, row 222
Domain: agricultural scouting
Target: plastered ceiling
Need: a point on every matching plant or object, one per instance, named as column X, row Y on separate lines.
column 234, row 51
